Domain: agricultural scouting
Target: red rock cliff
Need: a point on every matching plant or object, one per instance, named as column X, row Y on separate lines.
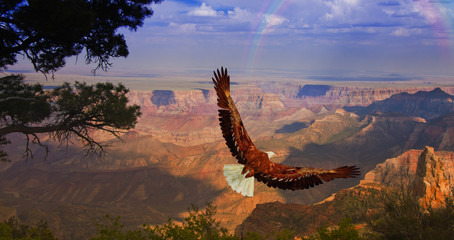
column 430, row 184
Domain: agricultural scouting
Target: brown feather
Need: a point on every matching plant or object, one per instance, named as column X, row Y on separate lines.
column 232, row 127
column 257, row 162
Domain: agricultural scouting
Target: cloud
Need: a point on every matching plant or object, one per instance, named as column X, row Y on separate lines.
column 241, row 15
column 341, row 9
column 272, row 20
column 205, row 11
column 185, row 27
column 310, row 27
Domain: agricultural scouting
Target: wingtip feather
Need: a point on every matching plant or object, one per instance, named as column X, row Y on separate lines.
column 221, row 82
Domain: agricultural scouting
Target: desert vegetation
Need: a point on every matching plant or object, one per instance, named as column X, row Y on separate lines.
column 395, row 214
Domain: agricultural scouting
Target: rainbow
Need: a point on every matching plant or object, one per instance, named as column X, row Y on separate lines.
column 440, row 24
column 432, row 11
column 262, row 28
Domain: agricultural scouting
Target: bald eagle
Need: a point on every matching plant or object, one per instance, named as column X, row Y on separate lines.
column 254, row 163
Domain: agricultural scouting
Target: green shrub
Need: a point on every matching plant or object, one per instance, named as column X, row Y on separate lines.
column 344, row 230
column 404, row 218
column 198, row 225
column 13, row 229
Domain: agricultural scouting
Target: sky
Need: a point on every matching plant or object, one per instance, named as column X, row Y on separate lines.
column 344, row 38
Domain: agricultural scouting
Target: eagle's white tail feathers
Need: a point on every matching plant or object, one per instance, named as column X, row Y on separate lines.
column 238, row 181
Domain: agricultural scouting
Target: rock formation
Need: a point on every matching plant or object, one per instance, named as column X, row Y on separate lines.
column 272, row 217
column 425, row 104
column 430, row 184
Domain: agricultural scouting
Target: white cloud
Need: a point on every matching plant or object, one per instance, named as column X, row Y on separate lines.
column 274, row 20
column 241, row 15
column 186, row 27
column 205, row 11
column 340, row 9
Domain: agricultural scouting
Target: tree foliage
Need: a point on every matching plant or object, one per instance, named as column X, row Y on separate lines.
column 48, row 33
column 65, row 112
column 345, row 230
column 404, row 218
column 110, row 228
column 13, row 229
column 200, row 224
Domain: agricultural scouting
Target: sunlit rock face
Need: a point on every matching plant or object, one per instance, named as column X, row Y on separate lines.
column 395, row 172
column 431, row 185
column 428, row 173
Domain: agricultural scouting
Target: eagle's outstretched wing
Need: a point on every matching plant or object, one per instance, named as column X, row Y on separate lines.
column 257, row 163
column 294, row 178
column 232, row 127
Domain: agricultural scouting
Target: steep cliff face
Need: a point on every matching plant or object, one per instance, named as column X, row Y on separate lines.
column 426, row 172
column 402, row 170
column 430, row 184
column 394, row 172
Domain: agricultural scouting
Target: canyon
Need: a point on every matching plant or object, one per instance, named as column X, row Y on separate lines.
column 427, row 172
column 175, row 155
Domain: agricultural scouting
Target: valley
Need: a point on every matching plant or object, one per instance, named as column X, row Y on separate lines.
column 175, row 155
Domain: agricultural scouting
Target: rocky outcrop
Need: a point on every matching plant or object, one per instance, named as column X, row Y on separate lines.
column 405, row 169
column 395, row 172
column 402, row 170
column 303, row 220
column 430, row 184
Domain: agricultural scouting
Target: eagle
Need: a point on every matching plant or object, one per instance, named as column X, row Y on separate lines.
column 256, row 164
